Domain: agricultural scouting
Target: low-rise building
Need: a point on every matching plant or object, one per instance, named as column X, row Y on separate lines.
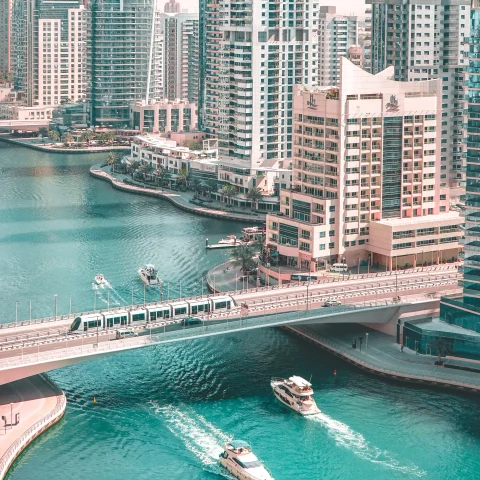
column 366, row 178
column 164, row 116
column 9, row 111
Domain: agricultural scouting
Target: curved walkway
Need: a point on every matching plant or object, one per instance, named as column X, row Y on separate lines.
column 39, row 404
column 384, row 358
column 180, row 200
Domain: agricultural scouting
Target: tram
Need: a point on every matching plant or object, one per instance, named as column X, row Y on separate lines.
column 151, row 313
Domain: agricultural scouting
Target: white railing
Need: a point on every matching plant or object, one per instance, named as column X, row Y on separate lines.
column 32, row 432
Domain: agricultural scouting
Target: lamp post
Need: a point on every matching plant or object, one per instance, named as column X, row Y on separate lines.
column 30, row 309
column 16, row 313
column 366, row 342
column 55, row 299
column 308, row 284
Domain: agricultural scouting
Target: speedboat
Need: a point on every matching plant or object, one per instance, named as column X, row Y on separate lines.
column 230, row 240
column 239, row 460
column 296, row 393
column 148, row 275
column 100, row 279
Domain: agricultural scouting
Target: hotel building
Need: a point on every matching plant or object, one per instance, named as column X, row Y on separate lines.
column 423, row 39
column 366, row 178
column 5, row 35
column 49, row 51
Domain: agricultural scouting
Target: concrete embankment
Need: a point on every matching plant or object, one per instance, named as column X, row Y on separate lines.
column 178, row 199
column 28, row 408
column 382, row 357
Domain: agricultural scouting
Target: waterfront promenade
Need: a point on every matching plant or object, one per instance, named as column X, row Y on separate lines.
column 180, row 199
column 39, row 404
column 383, row 357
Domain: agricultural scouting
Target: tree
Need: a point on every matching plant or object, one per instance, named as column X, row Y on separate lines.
column 110, row 137
column 442, row 347
column 87, row 136
column 196, row 185
column 254, row 195
column 54, row 135
column 134, row 165
column 211, row 186
column 228, row 191
column 148, row 170
column 182, row 177
column 43, row 132
column 242, row 257
column 67, row 138
column 112, row 159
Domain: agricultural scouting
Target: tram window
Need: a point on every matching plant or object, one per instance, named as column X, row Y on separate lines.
column 93, row 323
column 153, row 315
column 138, row 316
column 76, row 323
column 221, row 304
column 116, row 320
column 123, row 320
column 109, row 322
column 195, row 309
column 181, row 311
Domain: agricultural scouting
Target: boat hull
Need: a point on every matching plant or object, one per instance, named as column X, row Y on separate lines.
column 148, row 282
column 290, row 403
column 239, row 473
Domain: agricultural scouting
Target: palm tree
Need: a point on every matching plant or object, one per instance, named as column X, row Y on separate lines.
column 134, row 165
column 242, row 257
column 442, row 347
column 67, row 138
column 43, row 132
column 53, row 134
column 212, row 186
column 228, row 191
column 196, row 185
column 87, row 136
column 148, row 170
column 182, row 177
column 110, row 136
column 254, row 195
column 112, row 159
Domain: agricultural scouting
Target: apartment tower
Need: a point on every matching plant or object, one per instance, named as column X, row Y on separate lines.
column 252, row 55
column 5, row 36
column 423, row 39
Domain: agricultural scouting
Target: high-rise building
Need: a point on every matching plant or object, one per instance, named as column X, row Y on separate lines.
column 355, row 55
column 336, row 34
column 465, row 311
column 423, row 39
column 181, row 53
column 172, row 7
column 252, row 55
column 49, row 50
column 126, row 58
column 5, row 35
column 365, row 178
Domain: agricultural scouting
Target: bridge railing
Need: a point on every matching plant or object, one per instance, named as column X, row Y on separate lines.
column 230, row 321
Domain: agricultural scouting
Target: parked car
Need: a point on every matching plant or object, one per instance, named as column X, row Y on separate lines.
column 125, row 332
column 331, row 303
column 189, row 321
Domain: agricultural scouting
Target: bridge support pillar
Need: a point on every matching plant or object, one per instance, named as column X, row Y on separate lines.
column 390, row 263
column 414, row 260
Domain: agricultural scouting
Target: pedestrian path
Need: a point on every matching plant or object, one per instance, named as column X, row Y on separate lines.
column 380, row 354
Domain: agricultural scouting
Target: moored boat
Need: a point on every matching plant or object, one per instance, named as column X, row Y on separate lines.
column 230, row 240
column 239, row 460
column 149, row 275
column 296, row 393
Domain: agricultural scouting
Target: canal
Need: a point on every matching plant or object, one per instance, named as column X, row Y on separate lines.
column 163, row 413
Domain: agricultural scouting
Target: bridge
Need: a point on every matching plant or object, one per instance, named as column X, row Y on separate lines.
column 41, row 345
column 24, row 125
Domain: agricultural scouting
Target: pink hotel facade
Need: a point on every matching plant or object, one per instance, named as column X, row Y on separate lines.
column 366, row 179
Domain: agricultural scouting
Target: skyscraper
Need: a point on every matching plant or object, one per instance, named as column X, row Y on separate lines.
column 172, row 7
column 252, row 54
column 180, row 69
column 5, row 35
column 423, row 39
column 49, row 50
column 336, row 34
column 125, row 53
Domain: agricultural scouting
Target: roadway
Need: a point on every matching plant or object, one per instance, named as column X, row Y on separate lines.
column 47, row 337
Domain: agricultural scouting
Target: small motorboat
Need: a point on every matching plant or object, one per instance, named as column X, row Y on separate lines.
column 239, row 460
column 296, row 393
column 148, row 274
column 100, row 279
column 230, row 240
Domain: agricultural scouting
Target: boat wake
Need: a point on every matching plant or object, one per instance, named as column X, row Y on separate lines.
column 356, row 442
column 199, row 436
column 115, row 298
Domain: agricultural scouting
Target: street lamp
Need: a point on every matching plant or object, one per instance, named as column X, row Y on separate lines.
column 55, row 299
column 366, row 342
column 308, row 284
column 16, row 313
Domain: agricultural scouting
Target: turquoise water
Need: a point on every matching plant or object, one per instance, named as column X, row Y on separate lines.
column 163, row 413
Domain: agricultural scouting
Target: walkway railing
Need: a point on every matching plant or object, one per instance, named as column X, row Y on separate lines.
column 31, row 433
column 265, row 316
column 415, row 371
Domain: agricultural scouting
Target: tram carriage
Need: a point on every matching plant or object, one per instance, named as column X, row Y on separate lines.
column 151, row 313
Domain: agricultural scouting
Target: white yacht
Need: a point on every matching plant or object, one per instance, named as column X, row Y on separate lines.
column 100, row 279
column 239, row 460
column 230, row 240
column 148, row 275
column 296, row 393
